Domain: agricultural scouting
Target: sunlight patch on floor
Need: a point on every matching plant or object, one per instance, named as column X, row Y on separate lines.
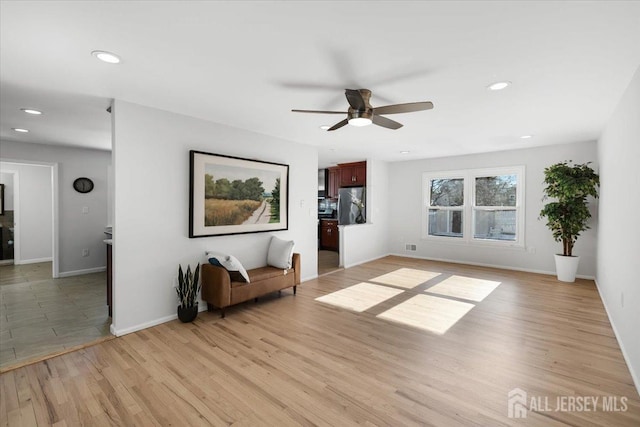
column 406, row 278
column 428, row 312
column 462, row 287
column 359, row 297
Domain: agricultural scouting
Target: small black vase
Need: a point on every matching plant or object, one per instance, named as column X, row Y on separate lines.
column 187, row 314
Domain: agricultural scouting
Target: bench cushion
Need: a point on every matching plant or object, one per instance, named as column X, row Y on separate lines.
column 263, row 273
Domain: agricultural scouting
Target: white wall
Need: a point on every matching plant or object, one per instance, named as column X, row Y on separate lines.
column 405, row 201
column 618, row 232
column 151, row 170
column 365, row 242
column 35, row 212
column 7, row 180
column 77, row 231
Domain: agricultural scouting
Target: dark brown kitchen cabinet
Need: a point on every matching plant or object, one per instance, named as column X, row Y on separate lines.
column 329, row 234
column 333, row 183
column 353, row 174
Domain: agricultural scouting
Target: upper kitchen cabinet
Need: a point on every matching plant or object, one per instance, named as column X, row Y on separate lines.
column 353, row 174
column 333, row 183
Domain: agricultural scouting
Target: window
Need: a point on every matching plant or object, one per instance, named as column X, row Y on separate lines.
column 475, row 206
column 446, row 203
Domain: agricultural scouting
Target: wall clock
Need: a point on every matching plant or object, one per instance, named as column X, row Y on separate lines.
column 83, row 185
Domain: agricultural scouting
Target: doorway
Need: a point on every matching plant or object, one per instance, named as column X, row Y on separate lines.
column 7, row 224
column 328, row 233
column 29, row 220
column 42, row 315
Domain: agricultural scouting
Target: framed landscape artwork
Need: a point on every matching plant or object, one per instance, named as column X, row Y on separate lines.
column 231, row 195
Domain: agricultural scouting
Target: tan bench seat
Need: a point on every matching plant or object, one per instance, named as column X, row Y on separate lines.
column 219, row 291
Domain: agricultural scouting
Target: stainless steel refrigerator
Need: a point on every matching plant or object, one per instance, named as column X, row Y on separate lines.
column 351, row 206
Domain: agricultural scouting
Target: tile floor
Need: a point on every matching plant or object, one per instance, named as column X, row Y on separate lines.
column 40, row 315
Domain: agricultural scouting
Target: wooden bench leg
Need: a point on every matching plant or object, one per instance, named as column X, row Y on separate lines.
column 210, row 307
column 255, row 300
column 222, row 313
column 279, row 294
column 294, row 290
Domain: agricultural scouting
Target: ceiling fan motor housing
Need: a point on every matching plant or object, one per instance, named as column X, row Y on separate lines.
column 367, row 112
column 355, row 114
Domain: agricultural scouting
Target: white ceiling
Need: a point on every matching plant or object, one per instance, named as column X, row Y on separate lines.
column 247, row 64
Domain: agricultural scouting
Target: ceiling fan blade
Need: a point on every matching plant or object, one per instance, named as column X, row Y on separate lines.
column 355, row 99
column 386, row 123
column 409, row 107
column 319, row 111
column 339, row 125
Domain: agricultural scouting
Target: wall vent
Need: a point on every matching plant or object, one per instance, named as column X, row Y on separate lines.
column 409, row 247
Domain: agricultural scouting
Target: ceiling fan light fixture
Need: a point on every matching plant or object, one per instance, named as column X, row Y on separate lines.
column 360, row 121
column 526, row 137
column 31, row 111
column 108, row 57
column 499, row 85
column 405, row 152
column 325, row 127
column 21, row 130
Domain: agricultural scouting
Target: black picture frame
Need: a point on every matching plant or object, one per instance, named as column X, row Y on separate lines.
column 234, row 195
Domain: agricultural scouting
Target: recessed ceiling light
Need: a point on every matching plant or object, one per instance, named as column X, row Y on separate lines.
column 499, row 85
column 325, row 127
column 109, row 57
column 360, row 121
column 31, row 111
column 526, row 136
column 20, row 130
column 405, row 152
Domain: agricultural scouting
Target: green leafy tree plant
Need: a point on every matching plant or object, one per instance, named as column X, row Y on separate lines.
column 571, row 184
column 188, row 287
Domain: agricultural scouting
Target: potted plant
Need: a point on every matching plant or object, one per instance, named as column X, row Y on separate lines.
column 571, row 184
column 188, row 290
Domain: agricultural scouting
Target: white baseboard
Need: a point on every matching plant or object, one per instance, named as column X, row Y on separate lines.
column 202, row 306
column 141, row 326
column 306, row 279
column 33, row 261
column 481, row 264
column 627, row 359
column 366, row 261
column 81, row 272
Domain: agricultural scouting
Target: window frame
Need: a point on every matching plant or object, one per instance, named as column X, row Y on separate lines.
column 427, row 205
column 469, row 207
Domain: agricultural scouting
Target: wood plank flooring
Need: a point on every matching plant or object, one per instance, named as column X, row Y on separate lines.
column 298, row 361
column 328, row 262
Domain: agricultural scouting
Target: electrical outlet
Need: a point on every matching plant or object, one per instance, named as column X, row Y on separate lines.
column 85, row 252
column 85, row 210
column 531, row 249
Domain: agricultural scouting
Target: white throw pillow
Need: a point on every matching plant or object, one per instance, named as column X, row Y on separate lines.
column 229, row 262
column 280, row 253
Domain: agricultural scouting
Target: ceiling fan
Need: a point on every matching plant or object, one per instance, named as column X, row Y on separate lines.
column 361, row 113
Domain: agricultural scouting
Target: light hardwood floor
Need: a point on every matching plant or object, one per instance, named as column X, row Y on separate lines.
column 300, row 361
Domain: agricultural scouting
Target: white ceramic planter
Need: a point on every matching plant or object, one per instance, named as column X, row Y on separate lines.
column 566, row 267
